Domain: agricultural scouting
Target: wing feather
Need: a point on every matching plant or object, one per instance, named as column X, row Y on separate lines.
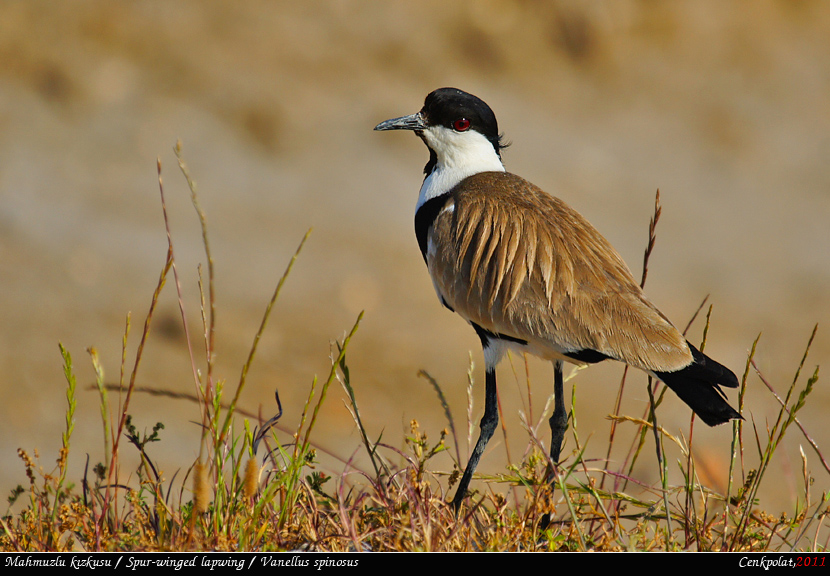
column 519, row 262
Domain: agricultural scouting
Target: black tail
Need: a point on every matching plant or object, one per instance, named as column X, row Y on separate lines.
column 698, row 385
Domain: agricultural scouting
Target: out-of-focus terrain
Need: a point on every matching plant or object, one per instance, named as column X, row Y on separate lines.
column 723, row 106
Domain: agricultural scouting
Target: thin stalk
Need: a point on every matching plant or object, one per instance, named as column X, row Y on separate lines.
column 244, row 375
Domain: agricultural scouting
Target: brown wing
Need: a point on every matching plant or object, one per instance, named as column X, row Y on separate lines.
column 520, row 262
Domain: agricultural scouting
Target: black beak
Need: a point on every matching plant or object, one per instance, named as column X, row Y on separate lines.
column 411, row 122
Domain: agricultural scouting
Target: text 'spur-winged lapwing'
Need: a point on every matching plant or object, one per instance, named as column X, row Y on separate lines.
column 530, row 273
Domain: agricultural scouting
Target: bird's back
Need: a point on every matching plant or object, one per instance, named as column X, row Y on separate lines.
column 521, row 263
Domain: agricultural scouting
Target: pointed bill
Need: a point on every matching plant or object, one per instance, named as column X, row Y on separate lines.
column 411, row 122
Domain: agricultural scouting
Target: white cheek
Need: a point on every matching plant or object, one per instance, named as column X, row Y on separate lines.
column 459, row 155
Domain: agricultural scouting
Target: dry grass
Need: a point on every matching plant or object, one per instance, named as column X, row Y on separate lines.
column 256, row 489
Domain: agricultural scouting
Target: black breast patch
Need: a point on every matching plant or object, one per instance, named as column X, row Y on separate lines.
column 424, row 218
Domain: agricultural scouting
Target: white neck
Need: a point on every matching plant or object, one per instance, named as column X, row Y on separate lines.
column 459, row 154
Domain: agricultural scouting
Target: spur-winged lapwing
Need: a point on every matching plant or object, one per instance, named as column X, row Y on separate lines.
column 530, row 273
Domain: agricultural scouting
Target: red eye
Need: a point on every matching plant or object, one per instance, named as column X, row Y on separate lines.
column 461, row 125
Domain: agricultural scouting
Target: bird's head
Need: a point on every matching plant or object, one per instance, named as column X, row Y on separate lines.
column 457, row 127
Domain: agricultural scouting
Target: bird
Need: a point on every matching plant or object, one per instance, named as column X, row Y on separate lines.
column 530, row 274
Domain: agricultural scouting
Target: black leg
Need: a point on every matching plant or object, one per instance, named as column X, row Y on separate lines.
column 559, row 419
column 558, row 426
column 488, row 427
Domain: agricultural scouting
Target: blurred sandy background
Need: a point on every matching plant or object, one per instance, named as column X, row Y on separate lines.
column 724, row 106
